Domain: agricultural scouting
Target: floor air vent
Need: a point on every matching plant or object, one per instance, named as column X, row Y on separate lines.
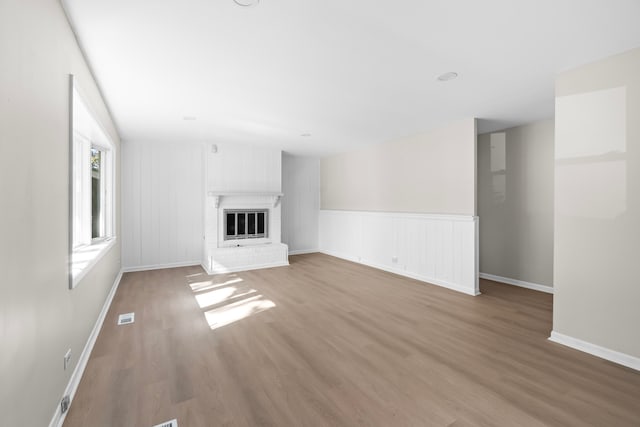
column 172, row 423
column 125, row 319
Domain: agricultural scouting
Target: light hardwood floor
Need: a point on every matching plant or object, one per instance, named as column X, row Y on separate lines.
column 326, row 342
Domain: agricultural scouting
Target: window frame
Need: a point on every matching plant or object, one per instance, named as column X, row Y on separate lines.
column 87, row 133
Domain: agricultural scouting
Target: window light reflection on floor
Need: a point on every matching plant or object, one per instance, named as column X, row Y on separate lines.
column 233, row 312
column 221, row 295
column 209, row 284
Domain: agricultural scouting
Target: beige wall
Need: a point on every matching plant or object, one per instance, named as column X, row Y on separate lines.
column 40, row 318
column 597, row 202
column 432, row 172
column 515, row 202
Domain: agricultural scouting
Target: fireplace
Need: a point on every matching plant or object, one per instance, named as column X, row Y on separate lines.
column 243, row 214
column 246, row 224
column 243, row 232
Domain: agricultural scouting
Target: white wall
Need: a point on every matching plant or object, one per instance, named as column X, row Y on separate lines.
column 301, row 203
column 162, row 202
column 597, row 200
column 40, row 317
column 243, row 168
column 515, row 204
column 166, row 201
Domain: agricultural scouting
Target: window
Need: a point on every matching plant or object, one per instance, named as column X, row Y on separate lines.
column 246, row 224
column 92, row 189
column 97, row 184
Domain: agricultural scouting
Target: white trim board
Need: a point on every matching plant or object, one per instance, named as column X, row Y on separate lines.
column 304, row 251
column 409, row 215
column 76, row 376
column 103, row 248
column 160, row 266
column 243, row 268
column 596, row 350
column 427, row 280
column 516, row 282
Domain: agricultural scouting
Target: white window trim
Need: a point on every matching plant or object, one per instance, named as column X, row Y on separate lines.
column 83, row 257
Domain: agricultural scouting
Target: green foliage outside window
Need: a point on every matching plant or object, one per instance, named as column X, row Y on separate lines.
column 95, row 159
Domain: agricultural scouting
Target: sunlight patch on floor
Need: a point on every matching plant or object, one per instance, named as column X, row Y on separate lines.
column 236, row 311
column 209, row 284
column 221, row 295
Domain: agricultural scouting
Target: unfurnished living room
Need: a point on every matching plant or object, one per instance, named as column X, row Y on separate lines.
column 319, row 213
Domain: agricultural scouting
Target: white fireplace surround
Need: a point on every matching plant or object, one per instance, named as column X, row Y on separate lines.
column 224, row 256
column 242, row 177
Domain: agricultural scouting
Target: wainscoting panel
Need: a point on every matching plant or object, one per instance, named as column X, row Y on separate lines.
column 162, row 198
column 439, row 249
column 379, row 237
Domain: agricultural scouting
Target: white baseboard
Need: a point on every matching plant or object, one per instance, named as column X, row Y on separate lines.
column 234, row 270
column 76, row 376
column 304, row 251
column 515, row 282
column 160, row 266
column 596, row 350
column 429, row 280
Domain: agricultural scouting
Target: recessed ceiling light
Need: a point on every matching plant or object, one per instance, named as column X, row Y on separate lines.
column 305, row 134
column 189, row 118
column 447, row 76
column 247, row 3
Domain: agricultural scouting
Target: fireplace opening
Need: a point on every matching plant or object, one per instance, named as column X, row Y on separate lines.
column 245, row 224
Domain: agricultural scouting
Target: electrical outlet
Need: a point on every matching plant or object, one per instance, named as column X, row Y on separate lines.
column 67, row 359
column 394, row 259
column 64, row 404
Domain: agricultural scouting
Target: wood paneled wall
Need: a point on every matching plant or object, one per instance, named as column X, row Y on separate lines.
column 162, row 204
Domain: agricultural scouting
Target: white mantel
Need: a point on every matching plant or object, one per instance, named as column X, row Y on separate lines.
column 241, row 177
column 219, row 195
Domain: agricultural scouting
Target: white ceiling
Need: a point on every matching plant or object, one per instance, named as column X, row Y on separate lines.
column 350, row 72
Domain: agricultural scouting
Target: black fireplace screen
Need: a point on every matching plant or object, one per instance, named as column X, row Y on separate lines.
column 245, row 224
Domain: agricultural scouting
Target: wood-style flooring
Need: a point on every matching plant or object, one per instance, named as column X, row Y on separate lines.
column 326, row 342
